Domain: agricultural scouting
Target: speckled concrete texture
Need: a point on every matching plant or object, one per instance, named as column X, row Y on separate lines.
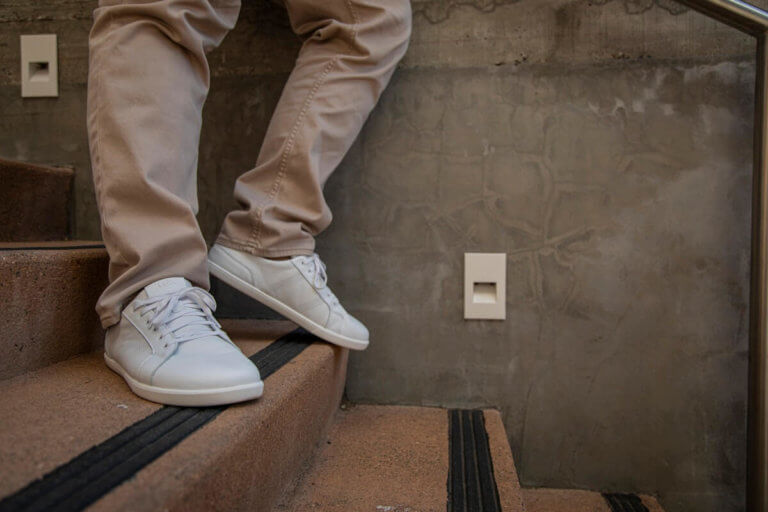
column 504, row 470
column 379, row 458
column 53, row 414
column 390, row 458
column 48, row 297
column 245, row 458
column 34, row 202
column 571, row 500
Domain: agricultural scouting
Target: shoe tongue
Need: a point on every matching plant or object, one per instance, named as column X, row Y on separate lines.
column 168, row 285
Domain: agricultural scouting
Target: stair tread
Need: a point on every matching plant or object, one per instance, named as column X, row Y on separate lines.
column 56, row 413
column 393, row 458
column 16, row 165
column 575, row 500
column 49, row 245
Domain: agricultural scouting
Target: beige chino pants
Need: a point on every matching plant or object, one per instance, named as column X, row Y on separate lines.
column 147, row 83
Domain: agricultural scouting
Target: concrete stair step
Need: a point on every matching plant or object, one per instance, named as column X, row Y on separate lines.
column 48, row 291
column 401, row 459
column 80, row 417
column 34, row 202
column 573, row 500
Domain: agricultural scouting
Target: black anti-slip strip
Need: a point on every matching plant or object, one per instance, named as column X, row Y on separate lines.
column 471, row 482
column 92, row 474
column 624, row 502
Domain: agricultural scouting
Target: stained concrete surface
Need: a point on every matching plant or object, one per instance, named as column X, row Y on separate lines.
column 604, row 145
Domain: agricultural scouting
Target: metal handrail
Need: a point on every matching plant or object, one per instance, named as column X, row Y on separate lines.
column 736, row 13
column 754, row 21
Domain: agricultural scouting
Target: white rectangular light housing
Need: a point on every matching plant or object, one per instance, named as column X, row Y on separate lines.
column 39, row 66
column 485, row 291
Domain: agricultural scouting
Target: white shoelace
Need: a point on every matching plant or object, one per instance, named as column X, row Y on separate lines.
column 180, row 316
column 319, row 276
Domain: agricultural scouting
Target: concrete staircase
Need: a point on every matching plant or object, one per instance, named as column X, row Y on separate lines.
column 72, row 436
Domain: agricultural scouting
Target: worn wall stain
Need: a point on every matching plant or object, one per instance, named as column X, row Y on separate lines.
column 641, row 6
column 436, row 11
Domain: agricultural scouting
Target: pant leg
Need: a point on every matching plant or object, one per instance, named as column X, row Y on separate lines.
column 147, row 82
column 350, row 51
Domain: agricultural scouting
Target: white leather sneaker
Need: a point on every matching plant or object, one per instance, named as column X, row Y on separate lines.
column 170, row 349
column 296, row 288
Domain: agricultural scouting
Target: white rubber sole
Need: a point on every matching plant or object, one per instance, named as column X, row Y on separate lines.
column 285, row 310
column 188, row 398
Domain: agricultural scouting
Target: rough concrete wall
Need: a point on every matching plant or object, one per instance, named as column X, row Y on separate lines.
column 623, row 206
column 603, row 145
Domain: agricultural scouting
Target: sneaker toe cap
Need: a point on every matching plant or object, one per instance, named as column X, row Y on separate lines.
column 354, row 328
column 197, row 372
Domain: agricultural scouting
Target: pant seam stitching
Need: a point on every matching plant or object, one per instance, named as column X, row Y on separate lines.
column 98, row 185
column 355, row 20
column 256, row 231
column 282, row 169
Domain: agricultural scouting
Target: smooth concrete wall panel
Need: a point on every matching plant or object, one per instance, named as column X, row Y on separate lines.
column 604, row 145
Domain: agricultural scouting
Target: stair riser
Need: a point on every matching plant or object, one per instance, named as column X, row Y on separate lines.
column 48, row 300
column 34, row 202
column 504, row 469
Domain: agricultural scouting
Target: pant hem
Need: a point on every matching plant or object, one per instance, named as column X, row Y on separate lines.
column 261, row 252
column 109, row 320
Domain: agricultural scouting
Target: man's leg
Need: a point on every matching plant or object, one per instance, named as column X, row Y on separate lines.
column 350, row 51
column 147, row 84
column 146, row 87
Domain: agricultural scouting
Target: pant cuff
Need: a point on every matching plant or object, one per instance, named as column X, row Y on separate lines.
column 264, row 252
column 108, row 321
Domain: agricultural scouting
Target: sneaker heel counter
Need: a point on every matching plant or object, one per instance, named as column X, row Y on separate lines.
column 110, row 337
column 227, row 258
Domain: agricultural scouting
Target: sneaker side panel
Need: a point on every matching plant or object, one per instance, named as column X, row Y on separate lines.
column 281, row 280
column 125, row 344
